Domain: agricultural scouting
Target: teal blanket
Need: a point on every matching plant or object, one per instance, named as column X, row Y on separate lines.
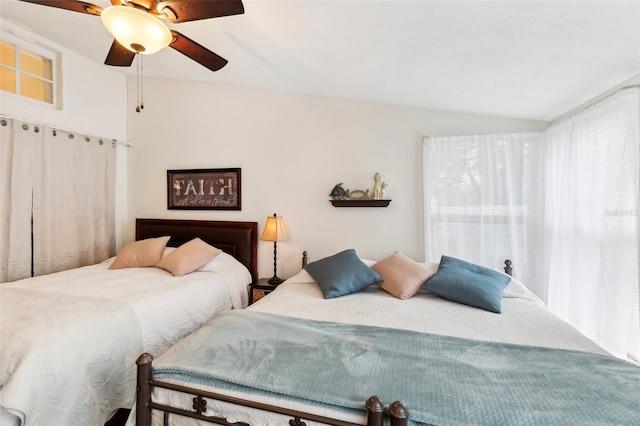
column 442, row 380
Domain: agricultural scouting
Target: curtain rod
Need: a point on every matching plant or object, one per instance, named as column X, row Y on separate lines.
column 523, row 133
column 591, row 104
column 35, row 123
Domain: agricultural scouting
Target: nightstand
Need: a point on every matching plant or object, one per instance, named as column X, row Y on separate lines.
column 260, row 289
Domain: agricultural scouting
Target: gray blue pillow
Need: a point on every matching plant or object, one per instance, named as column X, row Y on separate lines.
column 470, row 284
column 341, row 274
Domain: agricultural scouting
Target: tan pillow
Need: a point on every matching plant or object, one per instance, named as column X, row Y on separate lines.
column 188, row 257
column 140, row 253
column 403, row 276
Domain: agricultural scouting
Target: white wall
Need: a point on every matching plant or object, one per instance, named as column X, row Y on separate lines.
column 94, row 100
column 292, row 150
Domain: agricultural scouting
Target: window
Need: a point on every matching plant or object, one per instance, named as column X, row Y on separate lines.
column 475, row 199
column 576, row 190
column 27, row 70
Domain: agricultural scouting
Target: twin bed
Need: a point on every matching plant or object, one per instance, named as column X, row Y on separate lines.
column 297, row 358
column 69, row 340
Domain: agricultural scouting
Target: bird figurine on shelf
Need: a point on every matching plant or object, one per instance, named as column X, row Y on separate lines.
column 338, row 192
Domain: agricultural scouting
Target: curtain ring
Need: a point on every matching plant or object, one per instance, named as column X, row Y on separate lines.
column 113, row 144
column 100, row 142
column 54, row 132
column 25, row 127
column 36, row 129
column 86, row 139
column 71, row 136
column 3, row 122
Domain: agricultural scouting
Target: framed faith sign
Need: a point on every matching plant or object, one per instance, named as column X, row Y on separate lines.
column 204, row 189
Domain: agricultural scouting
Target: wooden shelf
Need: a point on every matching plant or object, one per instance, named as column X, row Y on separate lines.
column 360, row 203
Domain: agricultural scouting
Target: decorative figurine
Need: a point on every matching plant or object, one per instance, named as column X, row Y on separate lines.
column 384, row 186
column 378, row 187
column 338, row 192
column 358, row 194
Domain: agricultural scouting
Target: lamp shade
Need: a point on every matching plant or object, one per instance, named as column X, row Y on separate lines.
column 274, row 230
column 135, row 29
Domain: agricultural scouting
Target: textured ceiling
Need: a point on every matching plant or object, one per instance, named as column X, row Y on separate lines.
column 525, row 59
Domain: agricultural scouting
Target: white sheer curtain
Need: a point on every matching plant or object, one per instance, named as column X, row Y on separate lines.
column 589, row 236
column 476, row 198
column 66, row 183
column 562, row 204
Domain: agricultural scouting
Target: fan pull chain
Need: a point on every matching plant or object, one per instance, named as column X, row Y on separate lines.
column 139, row 83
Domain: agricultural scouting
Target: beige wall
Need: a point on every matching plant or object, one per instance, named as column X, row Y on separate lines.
column 292, row 150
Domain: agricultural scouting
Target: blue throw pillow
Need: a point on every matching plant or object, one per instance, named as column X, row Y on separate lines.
column 341, row 274
column 473, row 285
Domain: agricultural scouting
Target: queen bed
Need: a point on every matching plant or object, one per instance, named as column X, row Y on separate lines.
column 69, row 340
column 298, row 357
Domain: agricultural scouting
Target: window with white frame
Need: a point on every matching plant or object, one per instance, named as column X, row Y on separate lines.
column 28, row 70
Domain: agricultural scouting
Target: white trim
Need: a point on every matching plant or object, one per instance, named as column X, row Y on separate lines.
column 45, row 52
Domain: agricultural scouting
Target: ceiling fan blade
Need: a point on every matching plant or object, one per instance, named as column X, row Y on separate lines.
column 188, row 10
column 119, row 56
column 149, row 5
column 198, row 53
column 73, row 5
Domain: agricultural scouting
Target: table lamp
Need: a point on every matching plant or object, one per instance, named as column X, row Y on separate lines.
column 274, row 231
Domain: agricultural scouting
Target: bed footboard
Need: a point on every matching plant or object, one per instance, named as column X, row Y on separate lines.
column 397, row 412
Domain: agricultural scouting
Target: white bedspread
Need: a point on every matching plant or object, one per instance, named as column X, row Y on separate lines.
column 69, row 340
column 524, row 320
column 66, row 359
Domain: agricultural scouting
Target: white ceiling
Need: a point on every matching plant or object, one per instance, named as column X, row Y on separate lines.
column 525, row 59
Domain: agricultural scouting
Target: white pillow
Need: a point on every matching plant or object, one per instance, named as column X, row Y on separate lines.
column 517, row 290
column 219, row 263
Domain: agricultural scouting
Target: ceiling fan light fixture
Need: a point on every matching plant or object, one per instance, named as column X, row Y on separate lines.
column 135, row 29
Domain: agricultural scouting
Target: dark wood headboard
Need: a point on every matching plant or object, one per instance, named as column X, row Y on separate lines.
column 239, row 239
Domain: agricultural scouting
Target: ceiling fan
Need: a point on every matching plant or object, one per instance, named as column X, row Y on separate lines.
column 137, row 27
